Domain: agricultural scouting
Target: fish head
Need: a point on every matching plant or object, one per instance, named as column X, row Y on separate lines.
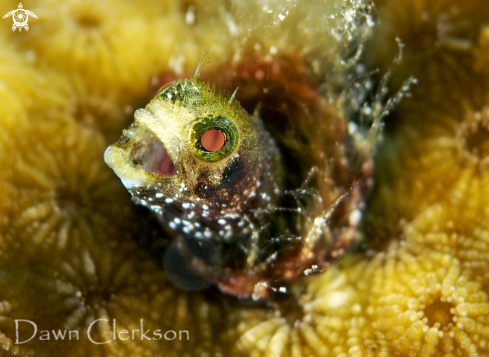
column 189, row 144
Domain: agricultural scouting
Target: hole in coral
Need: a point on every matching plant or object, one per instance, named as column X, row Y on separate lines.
column 87, row 20
column 477, row 140
column 97, row 295
column 438, row 312
column 72, row 200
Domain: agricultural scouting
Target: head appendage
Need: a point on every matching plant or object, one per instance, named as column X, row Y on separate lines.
column 233, row 96
column 203, row 61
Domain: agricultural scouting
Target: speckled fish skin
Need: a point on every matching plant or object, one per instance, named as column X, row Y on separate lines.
column 220, row 202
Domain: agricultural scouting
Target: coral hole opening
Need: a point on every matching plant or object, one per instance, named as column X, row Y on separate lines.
column 97, row 295
column 87, row 19
column 477, row 141
column 438, row 312
column 69, row 199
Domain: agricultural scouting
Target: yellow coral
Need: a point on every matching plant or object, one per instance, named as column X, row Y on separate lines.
column 425, row 304
column 407, row 301
column 324, row 322
column 101, row 113
column 60, row 193
column 457, row 225
column 116, row 284
column 66, row 224
column 443, row 47
column 438, row 38
column 92, row 43
column 422, row 165
column 457, row 232
column 417, row 170
column 22, row 87
column 429, row 294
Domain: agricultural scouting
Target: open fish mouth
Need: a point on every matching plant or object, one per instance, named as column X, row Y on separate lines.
column 157, row 160
column 138, row 155
column 149, row 152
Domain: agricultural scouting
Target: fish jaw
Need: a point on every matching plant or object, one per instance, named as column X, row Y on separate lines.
column 130, row 175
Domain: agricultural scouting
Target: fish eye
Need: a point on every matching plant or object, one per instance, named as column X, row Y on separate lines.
column 215, row 138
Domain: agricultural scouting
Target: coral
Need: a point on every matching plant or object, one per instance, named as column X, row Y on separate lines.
column 457, row 225
column 68, row 230
column 425, row 304
column 23, row 88
column 323, row 323
column 419, row 165
column 230, row 28
column 101, row 113
column 457, row 232
column 429, row 293
column 473, row 139
column 95, row 40
column 424, row 164
column 443, row 46
column 438, row 40
column 60, row 194
column 407, row 301
column 114, row 283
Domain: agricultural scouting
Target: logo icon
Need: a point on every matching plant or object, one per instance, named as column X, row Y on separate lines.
column 20, row 17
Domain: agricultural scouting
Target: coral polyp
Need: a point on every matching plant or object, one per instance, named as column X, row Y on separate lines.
column 428, row 313
column 87, row 34
column 59, row 195
column 473, row 135
column 23, row 87
column 101, row 293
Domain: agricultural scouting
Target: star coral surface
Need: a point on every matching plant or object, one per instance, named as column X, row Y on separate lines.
column 76, row 255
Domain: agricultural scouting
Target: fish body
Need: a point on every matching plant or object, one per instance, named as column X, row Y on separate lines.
column 251, row 199
column 212, row 173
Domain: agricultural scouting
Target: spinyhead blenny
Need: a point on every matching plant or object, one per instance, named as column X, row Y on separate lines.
column 248, row 212
column 209, row 171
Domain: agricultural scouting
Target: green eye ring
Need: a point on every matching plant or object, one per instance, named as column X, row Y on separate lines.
column 224, row 126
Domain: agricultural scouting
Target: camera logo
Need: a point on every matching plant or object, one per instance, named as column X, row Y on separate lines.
column 20, row 17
